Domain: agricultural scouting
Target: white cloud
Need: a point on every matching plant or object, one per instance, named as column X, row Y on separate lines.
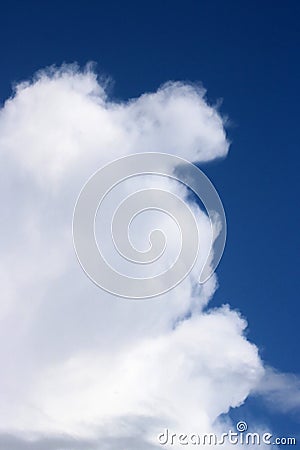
column 65, row 114
column 280, row 390
column 76, row 361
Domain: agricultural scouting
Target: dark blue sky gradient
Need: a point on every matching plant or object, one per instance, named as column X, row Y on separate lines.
column 246, row 53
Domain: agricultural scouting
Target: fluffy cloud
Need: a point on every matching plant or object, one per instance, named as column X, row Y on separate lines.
column 64, row 114
column 79, row 363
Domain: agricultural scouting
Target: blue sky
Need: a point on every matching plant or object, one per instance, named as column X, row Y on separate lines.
column 245, row 54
